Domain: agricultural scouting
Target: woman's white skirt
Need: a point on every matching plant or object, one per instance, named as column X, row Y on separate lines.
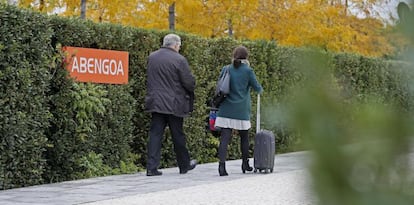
column 232, row 123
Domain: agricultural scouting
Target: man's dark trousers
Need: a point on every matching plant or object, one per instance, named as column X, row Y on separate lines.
column 156, row 135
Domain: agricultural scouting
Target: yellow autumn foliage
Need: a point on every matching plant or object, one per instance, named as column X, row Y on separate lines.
column 325, row 24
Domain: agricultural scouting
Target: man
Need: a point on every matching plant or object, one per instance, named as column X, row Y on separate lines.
column 170, row 92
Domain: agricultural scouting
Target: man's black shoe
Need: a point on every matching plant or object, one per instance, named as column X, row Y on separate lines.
column 191, row 166
column 154, row 172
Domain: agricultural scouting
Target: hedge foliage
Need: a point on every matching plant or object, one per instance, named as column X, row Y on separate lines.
column 53, row 129
column 25, row 76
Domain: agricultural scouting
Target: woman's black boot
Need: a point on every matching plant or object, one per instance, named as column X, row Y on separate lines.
column 245, row 166
column 222, row 169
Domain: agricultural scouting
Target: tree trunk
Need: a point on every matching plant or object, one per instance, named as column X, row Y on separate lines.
column 171, row 17
column 41, row 5
column 230, row 27
column 346, row 7
column 83, row 9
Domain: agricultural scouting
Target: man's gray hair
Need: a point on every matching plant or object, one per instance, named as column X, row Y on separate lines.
column 171, row 39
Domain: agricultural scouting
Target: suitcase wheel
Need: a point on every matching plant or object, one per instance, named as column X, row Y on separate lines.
column 266, row 170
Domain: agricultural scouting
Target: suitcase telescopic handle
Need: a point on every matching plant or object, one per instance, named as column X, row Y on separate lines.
column 258, row 114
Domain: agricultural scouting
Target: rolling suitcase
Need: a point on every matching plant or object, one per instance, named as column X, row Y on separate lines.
column 264, row 146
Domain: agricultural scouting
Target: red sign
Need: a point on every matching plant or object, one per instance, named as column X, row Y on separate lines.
column 97, row 65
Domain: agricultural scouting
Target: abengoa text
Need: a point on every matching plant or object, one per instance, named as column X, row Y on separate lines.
column 97, row 66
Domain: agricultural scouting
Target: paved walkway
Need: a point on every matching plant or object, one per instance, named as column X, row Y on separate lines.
column 287, row 185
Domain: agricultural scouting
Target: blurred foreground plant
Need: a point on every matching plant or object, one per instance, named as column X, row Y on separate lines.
column 360, row 148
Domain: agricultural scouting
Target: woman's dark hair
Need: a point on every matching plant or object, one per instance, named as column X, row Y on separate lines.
column 239, row 53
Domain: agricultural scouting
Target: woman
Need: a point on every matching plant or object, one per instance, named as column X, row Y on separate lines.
column 234, row 111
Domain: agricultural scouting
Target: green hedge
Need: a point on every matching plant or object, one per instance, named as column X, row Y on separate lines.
column 54, row 129
column 89, row 118
column 25, row 59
